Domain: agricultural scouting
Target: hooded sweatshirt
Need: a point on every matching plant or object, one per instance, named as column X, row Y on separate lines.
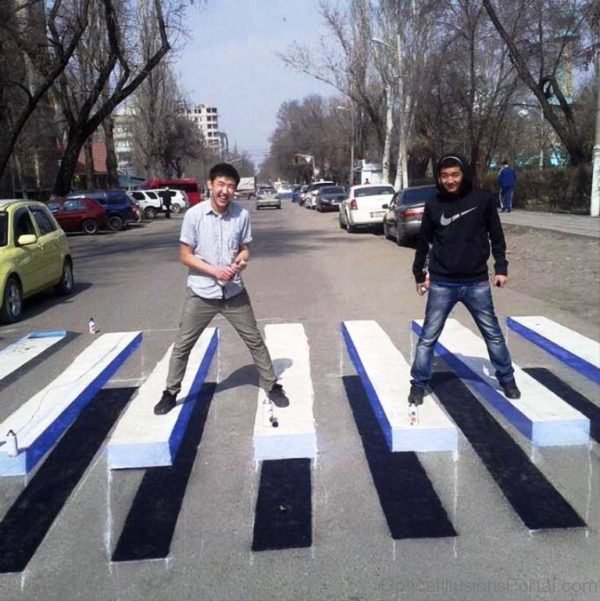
column 456, row 232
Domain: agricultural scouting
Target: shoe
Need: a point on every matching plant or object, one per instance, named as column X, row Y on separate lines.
column 415, row 397
column 166, row 403
column 277, row 396
column 510, row 390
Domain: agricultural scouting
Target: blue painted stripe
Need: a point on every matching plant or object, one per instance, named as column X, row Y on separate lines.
column 55, row 334
column 512, row 414
column 384, row 423
column 53, row 431
column 585, row 368
column 189, row 401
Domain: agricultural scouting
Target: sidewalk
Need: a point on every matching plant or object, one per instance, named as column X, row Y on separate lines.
column 581, row 225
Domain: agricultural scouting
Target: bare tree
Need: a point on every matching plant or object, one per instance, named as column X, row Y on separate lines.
column 543, row 38
column 119, row 68
column 23, row 30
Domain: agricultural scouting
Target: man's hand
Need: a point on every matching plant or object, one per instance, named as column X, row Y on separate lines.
column 500, row 281
column 423, row 287
column 224, row 274
column 239, row 265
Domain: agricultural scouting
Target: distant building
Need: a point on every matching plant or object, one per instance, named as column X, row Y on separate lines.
column 206, row 119
column 123, row 123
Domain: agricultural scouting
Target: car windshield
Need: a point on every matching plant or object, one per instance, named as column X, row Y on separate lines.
column 373, row 191
column 332, row 190
column 3, row 229
column 418, row 195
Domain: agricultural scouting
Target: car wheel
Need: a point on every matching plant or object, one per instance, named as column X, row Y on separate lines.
column 149, row 212
column 66, row 285
column 12, row 302
column 176, row 209
column 89, row 226
column 342, row 226
column 386, row 231
column 115, row 223
column 350, row 228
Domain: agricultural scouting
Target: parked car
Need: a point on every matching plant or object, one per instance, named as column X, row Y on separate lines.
column 329, row 198
column 119, row 207
column 364, row 206
column 267, row 197
column 78, row 214
column 403, row 216
column 34, row 255
column 309, row 195
column 150, row 202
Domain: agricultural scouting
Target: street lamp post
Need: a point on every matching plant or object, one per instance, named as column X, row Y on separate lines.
column 351, row 111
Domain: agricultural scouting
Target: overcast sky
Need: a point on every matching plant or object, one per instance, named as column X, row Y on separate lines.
column 230, row 63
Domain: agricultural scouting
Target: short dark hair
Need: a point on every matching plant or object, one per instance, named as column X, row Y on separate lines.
column 224, row 170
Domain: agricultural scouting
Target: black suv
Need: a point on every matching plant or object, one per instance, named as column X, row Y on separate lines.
column 117, row 204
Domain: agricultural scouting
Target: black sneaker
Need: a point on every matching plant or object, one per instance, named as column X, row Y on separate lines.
column 510, row 390
column 166, row 403
column 277, row 396
column 416, row 394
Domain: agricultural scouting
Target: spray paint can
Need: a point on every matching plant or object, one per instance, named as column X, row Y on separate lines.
column 92, row 326
column 12, row 449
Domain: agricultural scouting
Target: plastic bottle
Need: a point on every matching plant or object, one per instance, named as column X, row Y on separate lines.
column 12, row 449
column 92, row 326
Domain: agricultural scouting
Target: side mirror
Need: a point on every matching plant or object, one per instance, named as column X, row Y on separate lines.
column 385, row 206
column 26, row 239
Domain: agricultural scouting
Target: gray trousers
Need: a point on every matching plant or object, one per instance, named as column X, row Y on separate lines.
column 197, row 314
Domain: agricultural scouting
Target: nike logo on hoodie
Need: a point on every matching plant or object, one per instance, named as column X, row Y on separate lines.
column 444, row 221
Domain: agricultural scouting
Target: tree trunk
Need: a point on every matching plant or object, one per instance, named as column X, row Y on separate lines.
column 111, row 156
column 90, row 168
column 389, row 125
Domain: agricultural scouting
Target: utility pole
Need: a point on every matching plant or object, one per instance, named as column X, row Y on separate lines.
column 595, row 200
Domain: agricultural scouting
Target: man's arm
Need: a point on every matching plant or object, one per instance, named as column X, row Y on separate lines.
column 242, row 258
column 423, row 241
column 498, row 243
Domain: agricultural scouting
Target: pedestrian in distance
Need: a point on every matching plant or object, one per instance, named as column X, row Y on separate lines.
column 507, row 178
column 166, row 196
column 457, row 229
column 215, row 247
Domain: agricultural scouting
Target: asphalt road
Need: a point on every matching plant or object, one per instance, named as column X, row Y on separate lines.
column 303, row 269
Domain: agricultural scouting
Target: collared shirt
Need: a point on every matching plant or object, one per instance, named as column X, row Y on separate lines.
column 216, row 239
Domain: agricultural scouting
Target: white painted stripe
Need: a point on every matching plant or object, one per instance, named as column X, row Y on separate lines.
column 296, row 435
column 539, row 414
column 573, row 342
column 388, row 385
column 142, row 439
column 27, row 348
column 40, row 422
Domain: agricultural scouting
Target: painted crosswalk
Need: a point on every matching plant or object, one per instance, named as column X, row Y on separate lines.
column 165, row 449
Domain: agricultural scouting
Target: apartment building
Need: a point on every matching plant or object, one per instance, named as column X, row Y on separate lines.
column 206, row 119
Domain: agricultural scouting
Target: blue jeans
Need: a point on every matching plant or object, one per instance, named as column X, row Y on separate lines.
column 506, row 196
column 477, row 298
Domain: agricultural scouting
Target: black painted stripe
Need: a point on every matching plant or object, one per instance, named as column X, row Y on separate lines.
column 150, row 523
column 283, row 516
column 533, row 498
column 408, row 500
column 571, row 396
column 28, row 520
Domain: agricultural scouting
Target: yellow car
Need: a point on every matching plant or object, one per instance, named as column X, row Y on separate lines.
column 34, row 255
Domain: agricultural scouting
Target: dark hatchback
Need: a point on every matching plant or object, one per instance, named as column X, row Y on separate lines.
column 120, row 209
column 402, row 219
column 329, row 198
column 78, row 214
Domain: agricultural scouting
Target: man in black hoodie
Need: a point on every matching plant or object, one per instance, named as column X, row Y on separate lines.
column 457, row 229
